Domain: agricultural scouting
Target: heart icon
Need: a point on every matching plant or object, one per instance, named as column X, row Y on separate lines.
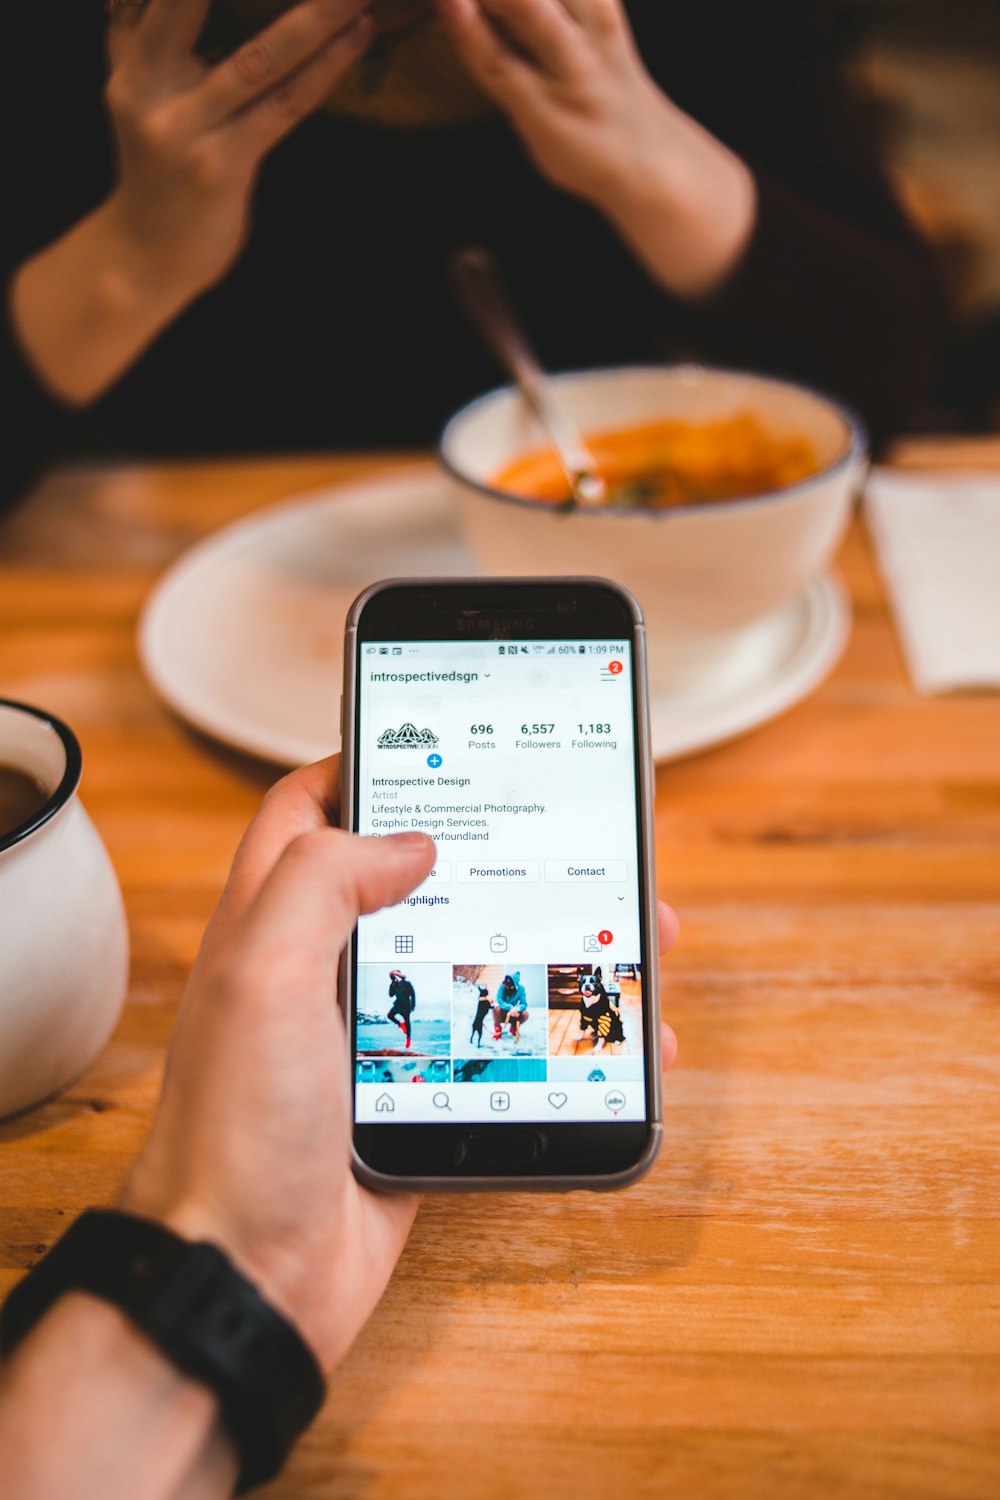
column 557, row 1100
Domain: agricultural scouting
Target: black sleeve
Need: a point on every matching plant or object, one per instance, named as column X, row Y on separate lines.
column 820, row 298
column 57, row 168
column 37, row 426
column 836, row 287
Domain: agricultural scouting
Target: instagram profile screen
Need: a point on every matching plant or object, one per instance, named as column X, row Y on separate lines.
column 510, row 984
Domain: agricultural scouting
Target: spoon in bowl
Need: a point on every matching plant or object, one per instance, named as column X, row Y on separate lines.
column 475, row 277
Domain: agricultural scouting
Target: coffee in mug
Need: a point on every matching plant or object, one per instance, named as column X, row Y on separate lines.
column 21, row 798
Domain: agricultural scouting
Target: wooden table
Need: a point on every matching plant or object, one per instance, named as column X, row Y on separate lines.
column 802, row 1298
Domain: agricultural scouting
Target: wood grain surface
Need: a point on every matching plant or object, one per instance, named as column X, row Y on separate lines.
column 802, row 1299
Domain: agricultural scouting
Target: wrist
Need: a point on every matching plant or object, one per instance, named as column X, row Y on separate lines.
column 84, row 308
column 683, row 201
column 140, row 278
column 282, row 1275
column 195, row 1307
column 85, row 1370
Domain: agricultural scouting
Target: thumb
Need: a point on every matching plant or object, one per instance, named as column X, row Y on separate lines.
column 322, row 883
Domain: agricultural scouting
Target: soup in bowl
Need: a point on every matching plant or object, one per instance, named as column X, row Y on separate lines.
column 728, row 493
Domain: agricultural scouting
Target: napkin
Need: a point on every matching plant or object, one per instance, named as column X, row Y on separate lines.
column 938, row 543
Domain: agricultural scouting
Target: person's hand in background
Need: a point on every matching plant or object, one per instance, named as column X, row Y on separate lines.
column 569, row 78
column 190, row 139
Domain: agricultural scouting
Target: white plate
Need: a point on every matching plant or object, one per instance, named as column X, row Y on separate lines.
column 243, row 634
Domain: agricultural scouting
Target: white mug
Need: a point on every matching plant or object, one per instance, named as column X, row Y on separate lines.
column 63, row 934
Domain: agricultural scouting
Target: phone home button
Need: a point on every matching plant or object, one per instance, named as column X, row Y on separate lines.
column 513, row 1145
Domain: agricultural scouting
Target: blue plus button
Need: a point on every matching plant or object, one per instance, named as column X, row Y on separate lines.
column 433, row 761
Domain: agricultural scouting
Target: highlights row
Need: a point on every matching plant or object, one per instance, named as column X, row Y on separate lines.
column 480, row 1012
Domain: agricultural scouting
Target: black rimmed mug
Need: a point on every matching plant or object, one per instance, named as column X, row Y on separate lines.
column 63, row 934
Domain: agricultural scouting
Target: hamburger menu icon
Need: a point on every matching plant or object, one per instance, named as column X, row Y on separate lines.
column 408, row 737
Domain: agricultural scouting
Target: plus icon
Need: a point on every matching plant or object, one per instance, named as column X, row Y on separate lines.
column 434, row 761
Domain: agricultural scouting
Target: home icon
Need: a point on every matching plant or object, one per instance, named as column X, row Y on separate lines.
column 384, row 1104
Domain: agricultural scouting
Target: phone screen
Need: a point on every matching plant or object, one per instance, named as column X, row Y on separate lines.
column 509, row 986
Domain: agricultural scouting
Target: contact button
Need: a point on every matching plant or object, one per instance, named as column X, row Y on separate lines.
column 489, row 871
column 586, row 870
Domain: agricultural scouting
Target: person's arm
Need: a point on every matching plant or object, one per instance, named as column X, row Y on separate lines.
column 257, row 1090
column 85, row 295
column 190, row 139
column 790, row 255
column 89, row 1408
column 569, row 78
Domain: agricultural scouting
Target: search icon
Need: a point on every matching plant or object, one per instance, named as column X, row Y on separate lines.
column 441, row 1100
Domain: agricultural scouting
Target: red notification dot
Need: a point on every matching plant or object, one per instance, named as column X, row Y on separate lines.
column 614, row 667
column 605, row 937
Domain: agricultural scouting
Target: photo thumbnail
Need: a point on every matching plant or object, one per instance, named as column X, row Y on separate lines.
column 498, row 1010
column 499, row 1070
column 595, row 1009
column 604, row 1068
column 404, row 1009
column 410, row 1069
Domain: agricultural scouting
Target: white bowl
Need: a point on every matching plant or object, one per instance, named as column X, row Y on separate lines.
column 707, row 576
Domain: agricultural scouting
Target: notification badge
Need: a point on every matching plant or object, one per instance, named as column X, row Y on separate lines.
column 605, row 937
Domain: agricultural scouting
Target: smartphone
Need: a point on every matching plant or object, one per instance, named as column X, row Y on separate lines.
column 504, row 1018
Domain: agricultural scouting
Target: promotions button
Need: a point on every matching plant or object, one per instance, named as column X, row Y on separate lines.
column 493, row 872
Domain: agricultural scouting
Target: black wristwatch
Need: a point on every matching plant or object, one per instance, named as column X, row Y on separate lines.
column 200, row 1312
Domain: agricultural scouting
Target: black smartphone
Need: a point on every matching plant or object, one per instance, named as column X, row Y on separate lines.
column 504, row 1018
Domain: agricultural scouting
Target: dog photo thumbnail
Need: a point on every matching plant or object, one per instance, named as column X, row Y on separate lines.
column 595, row 1009
column 499, row 1010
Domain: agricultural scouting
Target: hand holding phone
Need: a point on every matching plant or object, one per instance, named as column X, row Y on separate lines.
column 504, row 1016
column 262, row 1080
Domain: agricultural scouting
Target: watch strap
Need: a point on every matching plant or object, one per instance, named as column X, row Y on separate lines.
column 203, row 1314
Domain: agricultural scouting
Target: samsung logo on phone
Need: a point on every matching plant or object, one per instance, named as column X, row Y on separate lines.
column 484, row 625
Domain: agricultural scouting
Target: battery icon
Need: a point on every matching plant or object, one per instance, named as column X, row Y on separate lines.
column 583, row 650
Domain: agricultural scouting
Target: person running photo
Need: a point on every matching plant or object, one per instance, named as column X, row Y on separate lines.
column 404, row 1002
column 511, row 1008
